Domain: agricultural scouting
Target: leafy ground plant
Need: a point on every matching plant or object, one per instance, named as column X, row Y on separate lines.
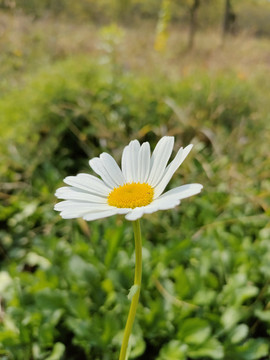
column 206, row 267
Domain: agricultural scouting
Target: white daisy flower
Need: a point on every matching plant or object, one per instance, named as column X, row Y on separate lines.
column 135, row 190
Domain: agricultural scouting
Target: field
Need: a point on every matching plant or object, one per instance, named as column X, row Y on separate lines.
column 72, row 90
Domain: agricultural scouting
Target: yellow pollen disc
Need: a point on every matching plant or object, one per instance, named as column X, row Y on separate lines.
column 131, row 195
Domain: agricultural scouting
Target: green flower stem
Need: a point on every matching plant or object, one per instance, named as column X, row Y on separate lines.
column 137, row 284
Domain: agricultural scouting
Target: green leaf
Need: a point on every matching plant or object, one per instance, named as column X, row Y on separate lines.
column 263, row 315
column 51, row 299
column 194, row 331
column 81, row 270
column 230, row 317
column 57, row 352
column 33, row 259
column 212, row 349
column 133, row 290
column 174, row 350
column 253, row 349
column 137, row 348
column 239, row 333
column 246, row 293
column 5, row 281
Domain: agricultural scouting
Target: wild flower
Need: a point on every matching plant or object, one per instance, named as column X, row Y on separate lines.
column 135, row 190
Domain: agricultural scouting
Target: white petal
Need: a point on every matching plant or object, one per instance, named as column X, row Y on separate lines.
column 98, row 166
column 165, row 204
column 159, row 204
column 88, row 183
column 76, row 205
column 121, row 211
column 135, row 214
column 99, row 215
column 74, row 209
column 171, row 168
column 71, row 214
column 125, row 163
column 135, row 148
column 71, row 193
column 181, row 192
column 144, row 162
column 139, row 211
column 159, row 160
column 112, row 168
column 130, row 161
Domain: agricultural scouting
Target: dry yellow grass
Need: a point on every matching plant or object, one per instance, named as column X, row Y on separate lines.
column 27, row 44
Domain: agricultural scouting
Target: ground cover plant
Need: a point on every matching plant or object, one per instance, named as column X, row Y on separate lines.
column 64, row 285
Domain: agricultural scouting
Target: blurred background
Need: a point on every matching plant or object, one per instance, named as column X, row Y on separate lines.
column 81, row 77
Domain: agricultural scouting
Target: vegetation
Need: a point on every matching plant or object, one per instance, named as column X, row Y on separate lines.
column 68, row 96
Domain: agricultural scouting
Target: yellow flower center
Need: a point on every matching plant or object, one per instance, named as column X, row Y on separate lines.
column 131, row 195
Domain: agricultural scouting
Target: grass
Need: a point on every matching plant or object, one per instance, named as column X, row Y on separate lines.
column 25, row 47
column 73, row 91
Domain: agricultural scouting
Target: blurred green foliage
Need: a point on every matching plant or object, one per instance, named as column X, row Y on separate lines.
column 64, row 284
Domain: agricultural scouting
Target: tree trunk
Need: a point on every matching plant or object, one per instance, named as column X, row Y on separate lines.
column 193, row 23
column 229, row 19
